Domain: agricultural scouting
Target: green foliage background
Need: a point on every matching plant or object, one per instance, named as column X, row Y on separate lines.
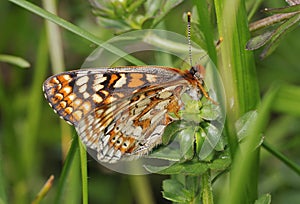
column 33, row 140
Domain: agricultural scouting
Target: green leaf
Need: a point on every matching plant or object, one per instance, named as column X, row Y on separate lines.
column 200, row 136
column 193, row 167
column 166, row 153
column 192, row 184
column 279, row 33
column 20, row 62
column 152, row 7
column 264, row 199
column 171, row 130
column 188, row 168
column 113, row 24
column 259, row 41
column 287, row 9
column 191, row 110
column 134, row 5
column 165, row 170
column 210, row 111
column 174, row 191
column 242, row 125
column 212, row 138
column 186, row 141
column 221, row 163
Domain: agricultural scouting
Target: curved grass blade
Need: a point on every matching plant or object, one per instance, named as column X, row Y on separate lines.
column 18, row 61
column 75, row 29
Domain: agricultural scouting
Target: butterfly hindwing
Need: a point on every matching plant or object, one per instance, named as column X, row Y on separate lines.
column 119, row 112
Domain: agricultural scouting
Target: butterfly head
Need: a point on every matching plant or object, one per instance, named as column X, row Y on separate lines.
column 198, row 71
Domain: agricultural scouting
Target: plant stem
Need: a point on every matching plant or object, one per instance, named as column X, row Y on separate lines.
column 237, row 69
column 206, row 190
column 84, row 175
column 142, row 188
column 282, row 157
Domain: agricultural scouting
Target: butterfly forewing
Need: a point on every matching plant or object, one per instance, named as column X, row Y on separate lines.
column 119, row 112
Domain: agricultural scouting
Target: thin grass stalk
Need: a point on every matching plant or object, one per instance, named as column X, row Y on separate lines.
column 288, row 162
column 84, row 174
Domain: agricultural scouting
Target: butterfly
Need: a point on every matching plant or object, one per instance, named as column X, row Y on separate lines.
column 122, row 112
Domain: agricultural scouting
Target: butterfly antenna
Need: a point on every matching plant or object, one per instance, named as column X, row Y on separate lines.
column 189, row 36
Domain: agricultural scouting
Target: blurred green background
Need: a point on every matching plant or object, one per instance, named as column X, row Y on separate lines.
column 30, row 133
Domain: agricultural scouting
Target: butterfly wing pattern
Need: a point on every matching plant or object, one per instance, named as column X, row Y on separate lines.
column 121, row 112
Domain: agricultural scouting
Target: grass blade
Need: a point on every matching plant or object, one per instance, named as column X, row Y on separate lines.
column 66, row 170
column 77, row 30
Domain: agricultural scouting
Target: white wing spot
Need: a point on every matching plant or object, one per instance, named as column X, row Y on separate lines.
column 67, row 90
column 82, row 80
column 86, row 95
column 55, row 80
column 71, row 97
column 83, row 88
column 121, row 81
column 99, row 79
column 151, row 78
column 66, row 77
column 165, row 94
column 97, row 87
column 96, row 98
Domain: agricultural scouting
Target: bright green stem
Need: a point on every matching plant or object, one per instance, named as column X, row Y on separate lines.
column 206, row 190
column 84, row 175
